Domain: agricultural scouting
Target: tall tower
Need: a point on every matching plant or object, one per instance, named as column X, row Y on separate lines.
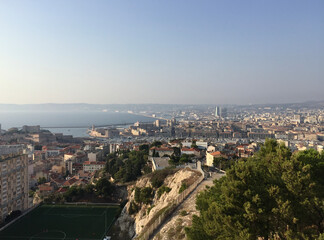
column 157, row 123
column 218, row 111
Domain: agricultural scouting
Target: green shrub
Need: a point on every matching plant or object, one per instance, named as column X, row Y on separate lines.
column 162, row 190
column 147, row 169
column 143, row 195
column 146, row 195
column 137, row 196
column 149, row 209
column 183, row 213
column 183, row 187
column 158, row 177
column 133, row 208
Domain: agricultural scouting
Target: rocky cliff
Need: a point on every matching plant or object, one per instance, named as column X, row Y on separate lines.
column 139, row 213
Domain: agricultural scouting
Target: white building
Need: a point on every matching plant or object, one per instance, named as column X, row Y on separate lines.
column 202, row 145
column 210, row 156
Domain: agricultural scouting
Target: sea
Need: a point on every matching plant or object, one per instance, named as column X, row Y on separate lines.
column 68, row 123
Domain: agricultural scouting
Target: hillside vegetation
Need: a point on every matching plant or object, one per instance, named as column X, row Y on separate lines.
column 273, row 195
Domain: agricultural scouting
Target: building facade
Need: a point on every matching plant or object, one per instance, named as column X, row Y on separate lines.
column 93, row 166
column 210, row 156
column 13, row 184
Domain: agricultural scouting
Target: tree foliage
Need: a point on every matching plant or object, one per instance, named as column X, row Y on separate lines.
column 156, row 144
column 183, row 187
column 126, row 166
column 133, row 208
column 273, row 195
column 41, row 180
column 143, row 195
column 158, row 177
column 103, row 187
column 178, row 160
column 223, row 163
column 162, row 190
column 144, row 147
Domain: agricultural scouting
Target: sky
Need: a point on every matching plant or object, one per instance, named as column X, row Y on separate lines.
column 182, row 52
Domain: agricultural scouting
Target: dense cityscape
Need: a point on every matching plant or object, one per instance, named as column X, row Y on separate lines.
column 39, row 166
column 161, row 120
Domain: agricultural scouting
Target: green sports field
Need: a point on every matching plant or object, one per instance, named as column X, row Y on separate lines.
column 58, row 222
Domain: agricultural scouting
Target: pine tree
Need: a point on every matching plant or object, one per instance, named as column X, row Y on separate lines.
column 273, row 195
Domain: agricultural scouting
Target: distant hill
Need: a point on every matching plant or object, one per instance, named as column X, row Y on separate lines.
column 57, row 107
column 52, row 107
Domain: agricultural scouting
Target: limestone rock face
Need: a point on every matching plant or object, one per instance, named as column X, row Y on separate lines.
column 174, row 182
column 125, row 224
column 136, row 222
column 174, row 228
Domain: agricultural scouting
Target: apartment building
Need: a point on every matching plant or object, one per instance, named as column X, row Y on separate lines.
column 93, row 166
column 10, row 149
column 13, row 183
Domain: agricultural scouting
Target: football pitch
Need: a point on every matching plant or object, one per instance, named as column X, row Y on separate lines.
column 63, row 222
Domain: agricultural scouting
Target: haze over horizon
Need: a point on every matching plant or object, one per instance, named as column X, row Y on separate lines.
column 182, row 52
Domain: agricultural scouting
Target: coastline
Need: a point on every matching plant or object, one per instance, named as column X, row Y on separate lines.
column 76, row 124
column 148, row 116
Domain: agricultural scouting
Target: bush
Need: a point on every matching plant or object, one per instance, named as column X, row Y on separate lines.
column 31, row 193
column 146, row 195
column 159, row 176
column 183, row 187
column 12, row 215
column 41, row 180
column 133, row 208
column 137, row 195
column 183, row 213
column 149, row 209
column 147, row 169
column 162, row 190
column 143, row 195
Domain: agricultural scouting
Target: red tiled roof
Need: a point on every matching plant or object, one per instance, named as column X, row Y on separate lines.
column 70, row 182
column 45, row 188
column 189, row 150
column 217, row 153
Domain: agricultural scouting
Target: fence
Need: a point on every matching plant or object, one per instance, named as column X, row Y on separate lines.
column 91, row 203
column 164, row 213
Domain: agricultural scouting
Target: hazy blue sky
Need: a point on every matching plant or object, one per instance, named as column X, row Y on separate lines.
column 177, row 51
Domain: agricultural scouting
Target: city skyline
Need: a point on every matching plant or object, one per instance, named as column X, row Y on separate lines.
column 184, row 52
